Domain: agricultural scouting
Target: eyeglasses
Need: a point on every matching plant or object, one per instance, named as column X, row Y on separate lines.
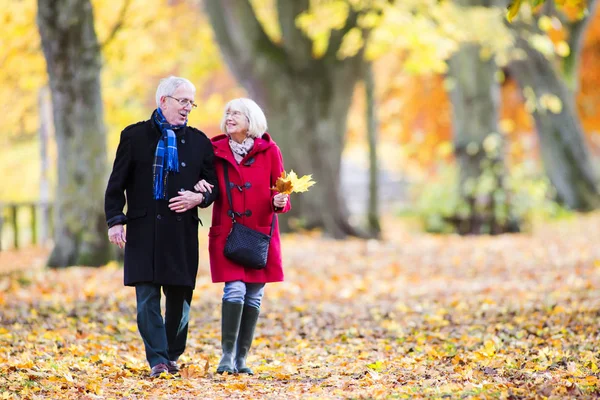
column 235, row 114
column 184, row 102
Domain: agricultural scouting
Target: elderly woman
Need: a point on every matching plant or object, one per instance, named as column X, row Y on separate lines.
column 249, row 159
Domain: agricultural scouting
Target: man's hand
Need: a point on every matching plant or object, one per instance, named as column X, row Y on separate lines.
column 116, row 235
column 185, row 201
column 203, row 186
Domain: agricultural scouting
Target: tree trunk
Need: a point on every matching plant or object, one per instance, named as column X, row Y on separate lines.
column 564, row 152
column 373, row 209
column 306, row 101
column 478, row 144
column 576, row 31
column 73, row 62
column 45, row 111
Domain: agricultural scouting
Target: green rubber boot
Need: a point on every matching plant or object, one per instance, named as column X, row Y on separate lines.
column 231, row 316
column 244, row 340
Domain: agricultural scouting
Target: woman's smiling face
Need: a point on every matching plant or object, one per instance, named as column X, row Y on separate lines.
column 236, row 123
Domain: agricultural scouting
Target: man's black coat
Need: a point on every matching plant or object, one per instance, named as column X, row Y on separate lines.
column 162, row 245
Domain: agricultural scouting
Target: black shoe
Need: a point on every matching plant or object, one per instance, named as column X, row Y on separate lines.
column 173, row 367
column 158, row 369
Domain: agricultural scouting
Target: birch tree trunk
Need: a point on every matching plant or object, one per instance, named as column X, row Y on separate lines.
column 373, row 205
column 73, row 62
column 45, row 110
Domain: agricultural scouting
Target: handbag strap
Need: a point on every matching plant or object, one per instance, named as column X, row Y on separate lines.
column 230, row 212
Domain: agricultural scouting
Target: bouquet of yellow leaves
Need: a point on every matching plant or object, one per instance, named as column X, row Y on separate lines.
column 290, row 183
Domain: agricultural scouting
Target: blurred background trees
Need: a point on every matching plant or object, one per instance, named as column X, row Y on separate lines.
column 488, row 125
column 73, row 62
column 549, row 81
column 305, row 95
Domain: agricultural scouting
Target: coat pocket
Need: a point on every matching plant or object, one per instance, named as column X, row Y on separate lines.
column 136, row 213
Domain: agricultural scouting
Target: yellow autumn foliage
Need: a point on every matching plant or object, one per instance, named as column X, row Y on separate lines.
column 514, row 6
column 168, row 38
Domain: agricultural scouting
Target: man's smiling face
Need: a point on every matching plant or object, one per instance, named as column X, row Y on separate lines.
column 175, row 112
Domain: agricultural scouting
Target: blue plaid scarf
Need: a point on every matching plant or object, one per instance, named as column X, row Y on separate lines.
column 165, row 158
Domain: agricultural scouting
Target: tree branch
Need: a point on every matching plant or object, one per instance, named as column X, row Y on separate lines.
column 118, row 25
column 337, row 37
column 244, row 43
column 216, row 14
column 297, row 45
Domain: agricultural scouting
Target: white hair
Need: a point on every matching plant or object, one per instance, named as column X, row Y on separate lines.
column 257, row 122
column 168, row 86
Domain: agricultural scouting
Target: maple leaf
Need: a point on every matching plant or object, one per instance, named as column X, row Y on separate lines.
column 376, row 366
column 194, row 371
column 290, row 183
column 206, row 367
column 283, row 184
column 513, row 10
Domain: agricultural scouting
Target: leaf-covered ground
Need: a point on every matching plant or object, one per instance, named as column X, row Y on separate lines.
column 412, row 316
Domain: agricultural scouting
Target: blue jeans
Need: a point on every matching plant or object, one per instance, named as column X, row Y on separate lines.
column 164, row 341
column 249, row 294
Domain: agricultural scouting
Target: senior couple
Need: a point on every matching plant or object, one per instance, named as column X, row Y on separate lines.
column 163, row 171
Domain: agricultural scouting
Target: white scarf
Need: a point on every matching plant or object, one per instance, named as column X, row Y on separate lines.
column 241, row 149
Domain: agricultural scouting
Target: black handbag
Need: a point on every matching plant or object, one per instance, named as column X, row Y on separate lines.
column 244, row 245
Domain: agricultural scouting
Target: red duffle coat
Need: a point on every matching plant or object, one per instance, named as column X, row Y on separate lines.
column 253, row 177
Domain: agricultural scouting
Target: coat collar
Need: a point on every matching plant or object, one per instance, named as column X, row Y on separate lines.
column 178, row 132
column 222, row 150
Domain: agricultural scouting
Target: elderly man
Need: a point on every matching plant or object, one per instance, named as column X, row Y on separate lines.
column 158, row 161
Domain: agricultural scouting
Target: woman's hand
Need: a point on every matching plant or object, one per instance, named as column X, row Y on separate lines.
column 203, row 186
column 280, row 200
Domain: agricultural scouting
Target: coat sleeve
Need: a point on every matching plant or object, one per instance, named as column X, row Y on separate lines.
column 114, row 198
column 276, row 169
column 209, row 175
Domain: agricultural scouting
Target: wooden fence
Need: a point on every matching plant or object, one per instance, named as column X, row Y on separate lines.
column 26, row 223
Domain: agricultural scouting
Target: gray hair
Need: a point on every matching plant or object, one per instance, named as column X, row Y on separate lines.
column 168, row 86
column 257, row 122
